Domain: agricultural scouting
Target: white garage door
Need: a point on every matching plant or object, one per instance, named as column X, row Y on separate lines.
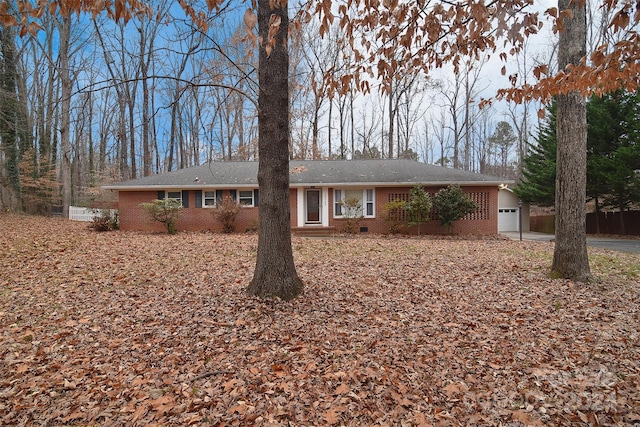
column 507, row 219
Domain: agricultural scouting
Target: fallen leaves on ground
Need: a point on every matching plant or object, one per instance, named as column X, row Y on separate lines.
column 129, row 328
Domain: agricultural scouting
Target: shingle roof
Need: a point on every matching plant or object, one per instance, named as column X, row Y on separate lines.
column 312, row 172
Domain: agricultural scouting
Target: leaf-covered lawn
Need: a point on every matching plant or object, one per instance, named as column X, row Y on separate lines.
column 141, row 329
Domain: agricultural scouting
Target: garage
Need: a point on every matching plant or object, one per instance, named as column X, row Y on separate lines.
column 507, row 219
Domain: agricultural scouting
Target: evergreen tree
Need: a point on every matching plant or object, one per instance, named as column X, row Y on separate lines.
column 419, row 207
column 538, row 183
column 613, row 150
column 600, row 135
column 452, row 204
column 616, row 167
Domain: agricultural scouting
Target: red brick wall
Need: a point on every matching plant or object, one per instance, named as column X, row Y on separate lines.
column 133, row 217
column 485, row 224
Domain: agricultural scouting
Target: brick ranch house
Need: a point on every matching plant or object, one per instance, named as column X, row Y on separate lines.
column 316, row 189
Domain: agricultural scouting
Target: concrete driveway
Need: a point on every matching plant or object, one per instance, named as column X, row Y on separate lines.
column 621, row 245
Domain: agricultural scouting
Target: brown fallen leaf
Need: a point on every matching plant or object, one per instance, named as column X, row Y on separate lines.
column 366, row 344
column 525, row 418
column 332, row 417
column 454, row 388
column 138, row 413
column 342, row 389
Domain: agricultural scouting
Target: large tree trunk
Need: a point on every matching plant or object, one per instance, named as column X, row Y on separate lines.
column 275, row 274
column 391, row 120
column 570, row 258
column 8, row 107
column 144, row 70
column 65, row 114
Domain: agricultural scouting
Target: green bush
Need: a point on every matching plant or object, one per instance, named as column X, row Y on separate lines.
column 166, row 211
column 419, row 207
column 452, row 204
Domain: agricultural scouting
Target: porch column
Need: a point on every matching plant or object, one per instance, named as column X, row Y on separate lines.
column 300, row 204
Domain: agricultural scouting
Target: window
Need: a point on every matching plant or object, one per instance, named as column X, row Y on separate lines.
column 174, row 195
column 209, row 199
column 369, row 198
column 213, row 198
column 245, row 197
column 337, row 202
column 365, row 198
column 182, row 196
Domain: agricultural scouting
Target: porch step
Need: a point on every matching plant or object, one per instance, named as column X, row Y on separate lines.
column 313, row 231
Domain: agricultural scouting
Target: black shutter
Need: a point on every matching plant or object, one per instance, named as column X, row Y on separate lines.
column 256, row 198
column 198, row 198
column 160, row 195
column 218, row 197
column 234, row 194
column 185, row 198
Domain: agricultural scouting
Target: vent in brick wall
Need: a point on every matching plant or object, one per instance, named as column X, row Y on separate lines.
column 481, row 198
column 399, row 215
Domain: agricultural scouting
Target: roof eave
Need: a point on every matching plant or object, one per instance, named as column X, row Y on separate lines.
column 304, row 184
column 399, row 184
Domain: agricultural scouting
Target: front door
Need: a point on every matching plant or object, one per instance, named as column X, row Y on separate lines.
column 313, row 206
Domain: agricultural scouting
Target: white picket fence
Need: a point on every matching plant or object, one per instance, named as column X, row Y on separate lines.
column 85, row 214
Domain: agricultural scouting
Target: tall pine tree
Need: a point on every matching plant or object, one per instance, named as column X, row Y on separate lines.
column 613, row 154
column 538, row 183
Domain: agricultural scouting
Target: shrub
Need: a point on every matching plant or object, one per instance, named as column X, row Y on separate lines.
column 225, row 213
column 166, row 211
column 452, row 204
column 394, row 213
column 352, row 213
column 105, row 221
column 419, row 207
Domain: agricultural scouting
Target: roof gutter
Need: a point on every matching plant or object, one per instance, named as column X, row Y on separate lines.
column 153, row 187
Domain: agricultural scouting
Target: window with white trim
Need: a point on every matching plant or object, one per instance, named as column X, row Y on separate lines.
column 245, row 198
column 366, row 199
column 337, row 202
column 369, row 203
column 209, row 199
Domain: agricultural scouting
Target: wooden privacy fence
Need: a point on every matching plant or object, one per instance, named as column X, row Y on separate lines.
column 543, row 224
column 611, row 223
column 608, row 223
column 86, row 214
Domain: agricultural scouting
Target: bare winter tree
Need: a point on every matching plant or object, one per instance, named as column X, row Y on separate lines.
column 483, row 148
column 502, row 141
column 441, row 136
column 368, row 131
column 570, row 258
column 275, row 274
column 323, row 56
column 410, row 109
